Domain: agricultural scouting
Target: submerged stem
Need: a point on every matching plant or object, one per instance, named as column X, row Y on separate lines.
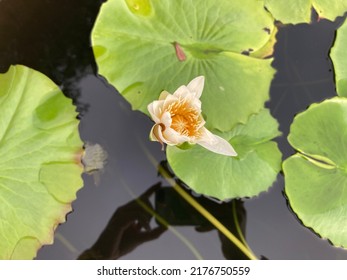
column 215, row 222
column 67, row 244
column 198, row 206
column 238, row 228
column 162, row 221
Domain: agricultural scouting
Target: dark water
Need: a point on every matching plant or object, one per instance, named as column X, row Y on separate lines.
column 53, row 37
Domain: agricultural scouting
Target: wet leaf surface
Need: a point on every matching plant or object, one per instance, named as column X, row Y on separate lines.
column 144, row 47
column 316, row 177
column 224, row 177
column 39, row 161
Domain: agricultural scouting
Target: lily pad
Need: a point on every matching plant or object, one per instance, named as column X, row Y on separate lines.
column 339, row 57
column 299, row 11
column 40, row 171
column 143, row 47
column 316, row 177
column 223, row 177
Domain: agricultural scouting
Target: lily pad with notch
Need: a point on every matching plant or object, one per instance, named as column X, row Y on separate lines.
column 299, row 11
column 316, row 176
column 143, row 47
column 40, row 169
column 223, row 177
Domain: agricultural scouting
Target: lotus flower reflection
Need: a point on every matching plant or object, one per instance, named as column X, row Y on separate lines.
column 178, row 120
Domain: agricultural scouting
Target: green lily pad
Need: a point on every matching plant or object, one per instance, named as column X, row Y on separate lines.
column 299, row 11
column 251, row 172
column 339, row 57
column 316, row 177
column 40, row 170
column 143, row 47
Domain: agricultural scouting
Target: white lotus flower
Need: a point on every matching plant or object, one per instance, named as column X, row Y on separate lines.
column 178, row 120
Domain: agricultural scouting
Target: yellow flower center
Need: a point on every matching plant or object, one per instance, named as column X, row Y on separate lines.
column 185, row 119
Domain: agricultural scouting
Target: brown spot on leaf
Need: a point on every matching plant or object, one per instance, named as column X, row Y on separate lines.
column 179, row 52
column 78, row 157
column 267, row 30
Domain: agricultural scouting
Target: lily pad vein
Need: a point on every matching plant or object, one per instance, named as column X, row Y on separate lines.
column 13, row 116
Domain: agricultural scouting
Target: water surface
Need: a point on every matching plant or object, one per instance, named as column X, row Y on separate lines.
column 54, row 38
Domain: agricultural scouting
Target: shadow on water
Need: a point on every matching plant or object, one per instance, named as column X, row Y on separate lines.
column 304, row 76
column 53, row 37
column 130, row 225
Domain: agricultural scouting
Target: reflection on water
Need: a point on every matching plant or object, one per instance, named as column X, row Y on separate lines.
column 94, row 160
column 130, row 225
column 54, row 38
column 128, row 228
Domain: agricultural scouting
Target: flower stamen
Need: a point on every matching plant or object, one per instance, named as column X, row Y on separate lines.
column 185, row 119
column 179, row 115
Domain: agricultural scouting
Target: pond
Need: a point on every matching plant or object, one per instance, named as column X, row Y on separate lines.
column 53, row 37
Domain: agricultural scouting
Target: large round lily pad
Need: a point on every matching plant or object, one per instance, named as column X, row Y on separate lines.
column 316, row 177
column 224, row 177
column 39, row 165
column 144, row 46
column 298, row 11
column 339, row 58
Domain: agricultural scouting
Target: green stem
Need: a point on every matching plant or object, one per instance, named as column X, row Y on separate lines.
column 198, row 207
column 66, row 243
column 215, row 222
column 162, row 221
column 238, row 228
